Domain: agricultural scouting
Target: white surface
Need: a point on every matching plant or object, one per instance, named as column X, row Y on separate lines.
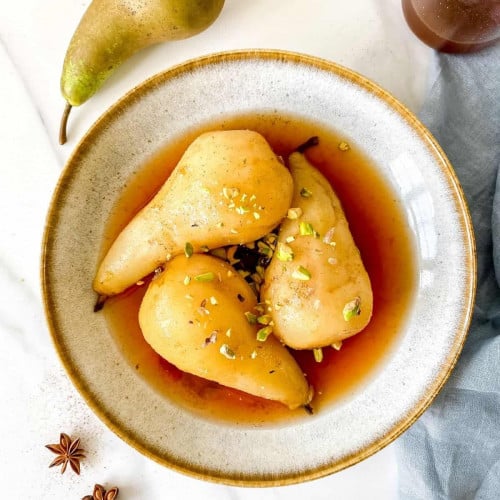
column 38, row 401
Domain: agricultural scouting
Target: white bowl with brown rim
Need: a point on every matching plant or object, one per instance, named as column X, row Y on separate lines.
column 408, row 216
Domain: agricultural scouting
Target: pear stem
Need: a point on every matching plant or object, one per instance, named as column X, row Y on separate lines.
column 309, row 409
column 64, row 121
column 101, row 300
column 313, row 141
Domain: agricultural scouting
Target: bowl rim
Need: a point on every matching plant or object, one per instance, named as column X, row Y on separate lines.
column 441, row 160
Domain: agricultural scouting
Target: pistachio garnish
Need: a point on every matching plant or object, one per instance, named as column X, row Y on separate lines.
column 263, row 333
column 204, row 277
column 305, row 193
column 251, row 317
column 318, row 355
column 226, row 351
column 306, row 229
column 344, row 146
column 352, row 309
column 294, row 213
column 188, row 249
column 328, row 238
column 284, row 252
column 301, row 273
column 265, row 319
column 230, row 193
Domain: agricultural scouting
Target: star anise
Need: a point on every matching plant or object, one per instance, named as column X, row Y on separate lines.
column 68, row 452
column 101, row 494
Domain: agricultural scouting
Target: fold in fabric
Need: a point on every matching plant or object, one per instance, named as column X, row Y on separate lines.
column 453, row 450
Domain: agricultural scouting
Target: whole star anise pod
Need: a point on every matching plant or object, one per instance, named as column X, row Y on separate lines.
column 68, row 452
column 101, row 494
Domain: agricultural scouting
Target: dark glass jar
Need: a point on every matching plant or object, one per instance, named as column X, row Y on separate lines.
column 454, row 25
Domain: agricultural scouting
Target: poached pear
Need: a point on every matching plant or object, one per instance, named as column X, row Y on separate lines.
column 110, row 31
column 316, row 282
column 194, row 315
column 228, row 188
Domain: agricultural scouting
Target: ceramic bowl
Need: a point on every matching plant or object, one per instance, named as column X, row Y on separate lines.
column 429, row 339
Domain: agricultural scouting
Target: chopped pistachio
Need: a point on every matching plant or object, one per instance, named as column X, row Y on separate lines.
column 226, row 351
column 187, row 279
column 251, row 317
column 264, row 248
column 244, row 197
column 256, row 215
column 212, row 339
column 294, row 213
column 263, row 333
column 318, row 355
column 243, row 274
column 328, row 238
column 344, row 146
column 230, row 193
column 352, row 309
column 305, row 193
column 204, row 277
column 265, row 319
column 337, row 345
column 290, row 239
column 219, row 252
column 242, row 210
column 260, row 307
column 253, row 197
column 301, row 273
column 306, row 229
column 204, row 248
column 203, row 311
column 284, row 253
column 188, row 249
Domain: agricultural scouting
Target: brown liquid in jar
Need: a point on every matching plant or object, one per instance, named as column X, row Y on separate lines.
column 454, row 25
column 379, row 228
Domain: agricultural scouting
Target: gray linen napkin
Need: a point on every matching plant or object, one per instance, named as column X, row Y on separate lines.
column 453, row 450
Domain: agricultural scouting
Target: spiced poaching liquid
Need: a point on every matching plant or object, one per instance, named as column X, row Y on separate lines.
column 379, row 228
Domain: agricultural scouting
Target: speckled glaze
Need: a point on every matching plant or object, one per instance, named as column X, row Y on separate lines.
column 421, row 177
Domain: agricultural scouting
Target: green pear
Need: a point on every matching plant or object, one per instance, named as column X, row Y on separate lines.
column 194, row 314
column 111, row 31
column 228, row 188
column 316, row 282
